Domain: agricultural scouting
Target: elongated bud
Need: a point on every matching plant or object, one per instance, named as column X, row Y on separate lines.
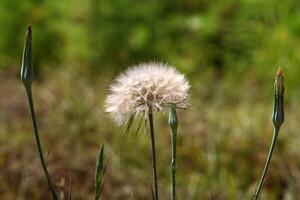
column 173, row 121
column 27, row 69
column 279, row 82
column 278, row 112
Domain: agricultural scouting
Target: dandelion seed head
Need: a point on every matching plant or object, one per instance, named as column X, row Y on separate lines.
column 146, row 85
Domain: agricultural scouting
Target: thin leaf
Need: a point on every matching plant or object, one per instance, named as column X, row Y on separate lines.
column 70, row 188
column 151, row 188
column 99, row 174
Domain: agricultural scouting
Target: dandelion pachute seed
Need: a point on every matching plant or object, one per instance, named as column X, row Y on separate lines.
column 151, row 84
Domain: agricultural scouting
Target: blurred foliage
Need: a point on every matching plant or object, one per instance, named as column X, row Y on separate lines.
column 229, row 49
column 227, row 36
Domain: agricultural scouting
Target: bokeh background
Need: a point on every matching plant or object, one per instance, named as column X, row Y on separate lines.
column 229, row 50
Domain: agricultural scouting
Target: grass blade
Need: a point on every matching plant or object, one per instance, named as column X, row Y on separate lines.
column 99, row 173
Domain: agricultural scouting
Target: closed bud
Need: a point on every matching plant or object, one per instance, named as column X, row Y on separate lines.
column 278, row 112
column 173, row 118
column 279, row 82
column 27, row 69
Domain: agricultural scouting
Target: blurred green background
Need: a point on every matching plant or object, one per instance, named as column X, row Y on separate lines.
column 229, row 50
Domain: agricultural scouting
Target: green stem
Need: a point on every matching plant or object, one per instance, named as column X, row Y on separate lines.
column 263, row 176
column 173, row 122
column 38, row 143
column 173, row 165
column 150, row 116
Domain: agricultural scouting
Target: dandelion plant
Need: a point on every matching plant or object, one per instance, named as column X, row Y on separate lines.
column 144, row 90
column 278, row 119
column 27, row 79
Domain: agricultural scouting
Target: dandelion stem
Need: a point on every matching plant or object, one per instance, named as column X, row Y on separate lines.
column 173, row 125
column 263, row 176
column 38, row 143
column 150, row 116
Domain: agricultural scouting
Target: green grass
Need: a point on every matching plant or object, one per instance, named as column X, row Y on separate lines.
column 221, row 148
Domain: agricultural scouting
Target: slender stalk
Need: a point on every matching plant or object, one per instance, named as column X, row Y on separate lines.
column 173, row 125
column 150, row 116
column 278, row 119
column 173, row 165
column 38, row 143
column 263, row 176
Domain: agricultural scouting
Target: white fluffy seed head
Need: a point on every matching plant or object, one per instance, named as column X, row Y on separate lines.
column 146, row 85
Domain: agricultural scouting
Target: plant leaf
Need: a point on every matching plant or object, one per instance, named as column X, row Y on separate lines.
column 99, row 174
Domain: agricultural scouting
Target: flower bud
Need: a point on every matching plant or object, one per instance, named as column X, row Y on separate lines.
column 279, row 82
column 27, row 69
column 173, row 121
column 278, row 112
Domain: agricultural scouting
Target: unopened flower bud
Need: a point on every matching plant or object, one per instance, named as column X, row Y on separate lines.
column 279, row 82
column 278, row 112
column 27, row 69
column 173, row 118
